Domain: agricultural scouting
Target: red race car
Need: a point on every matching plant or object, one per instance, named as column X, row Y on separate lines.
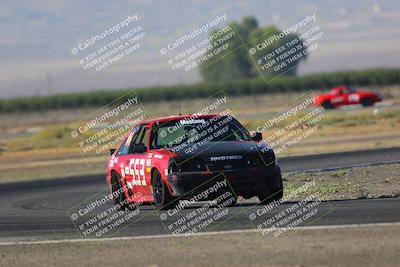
column 346, row 95
column 166, row 160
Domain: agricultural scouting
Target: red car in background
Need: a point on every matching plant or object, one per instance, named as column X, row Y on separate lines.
column 346, row 95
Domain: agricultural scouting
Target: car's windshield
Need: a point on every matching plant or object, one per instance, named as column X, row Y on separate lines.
column 189, row 131
column 351, row 89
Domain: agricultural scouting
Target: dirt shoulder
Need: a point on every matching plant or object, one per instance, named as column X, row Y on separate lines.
column 355, row 183
column 353, row 246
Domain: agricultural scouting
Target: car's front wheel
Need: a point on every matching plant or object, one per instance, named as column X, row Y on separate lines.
column 266, row 198
column 366, row 102
column 162, row 198
column 229, row 201
column 267, row 195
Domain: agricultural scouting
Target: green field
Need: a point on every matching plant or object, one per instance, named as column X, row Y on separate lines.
column 372, row 77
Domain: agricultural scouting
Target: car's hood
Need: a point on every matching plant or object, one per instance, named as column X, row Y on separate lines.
column 325, row 95
column 365, row 93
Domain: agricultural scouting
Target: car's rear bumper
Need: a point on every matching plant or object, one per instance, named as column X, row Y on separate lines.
column 247, row 182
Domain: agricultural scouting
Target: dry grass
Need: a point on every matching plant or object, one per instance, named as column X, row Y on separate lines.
column 367, row 182
column 41, row 142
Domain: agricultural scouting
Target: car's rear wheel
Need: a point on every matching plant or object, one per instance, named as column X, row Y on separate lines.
column 162, row 198
column 327, row 105
column 119, row 194
column 366, row 102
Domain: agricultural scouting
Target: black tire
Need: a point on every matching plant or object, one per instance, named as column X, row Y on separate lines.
column 162, row 198
column 232, row 196
column 118, row 194
column 366, row 102
column 268, row 196
column 327, row 105
column 233, row 204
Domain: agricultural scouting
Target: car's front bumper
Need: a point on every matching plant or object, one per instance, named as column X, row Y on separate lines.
column 243, row 182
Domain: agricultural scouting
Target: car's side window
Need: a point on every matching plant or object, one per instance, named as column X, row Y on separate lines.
column 144, row 136
column 140, row 138
column 125, row 147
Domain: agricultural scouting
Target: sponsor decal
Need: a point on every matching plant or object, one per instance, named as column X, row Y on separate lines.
column 126, row 169
column 191, row 121
column 122, row 170
column 229, row 157
column 131, row 162
column 354, row 98
column 136, row 170
column 141, row 172
column 337, row 99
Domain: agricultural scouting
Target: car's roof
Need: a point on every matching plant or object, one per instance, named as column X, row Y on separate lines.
column 177, row 118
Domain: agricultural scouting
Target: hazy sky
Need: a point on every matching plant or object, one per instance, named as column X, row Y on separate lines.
column 37, row 37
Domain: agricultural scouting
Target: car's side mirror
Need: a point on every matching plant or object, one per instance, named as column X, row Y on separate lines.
column 139, row 148
column 257, row 136
column 112, row 150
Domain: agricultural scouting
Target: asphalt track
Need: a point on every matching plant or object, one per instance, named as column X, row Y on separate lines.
column 40, row 210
